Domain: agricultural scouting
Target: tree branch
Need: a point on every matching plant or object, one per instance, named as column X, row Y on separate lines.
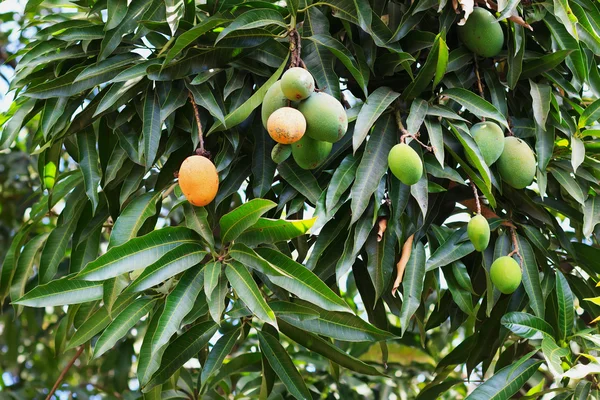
column 515, row 242
column 200, row 151
column 64, row 372
column 476, row 197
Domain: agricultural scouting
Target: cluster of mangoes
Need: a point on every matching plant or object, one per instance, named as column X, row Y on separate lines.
column 305, row 123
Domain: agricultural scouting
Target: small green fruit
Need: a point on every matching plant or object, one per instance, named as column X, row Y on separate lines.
column 478, row 230
column 274, row 99
column 297, row 84
column 490, row 140
column 405, row 163
column 281, row 152
column 326, row 118
column 310, row 153
column 517, row 163
column 482, row 34
column 506, row 274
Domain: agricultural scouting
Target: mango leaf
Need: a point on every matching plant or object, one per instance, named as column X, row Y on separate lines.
column 566, row 310
column 196, row 218
column 341, row 180
column 544, row 63
column 212, row 272
column 526, row 325
column 412, row 285
column 370, row 112
column 553, row 354
column 61, row 292
column 186, row 346
column 217, row 354
column 137, row 253
column 591, row 215
column 178, row 304
column 475, row 104
column 373, row 165
column 283, row 366
column 248, row 291
column 187, row 38
column 25, row 265
column 531, row 277
column 433, row 69
column 151, row 129
column 252, row 19
column 267, row 230
column 301, row 180
column 179, row 259
column 540, row 93
column 506, row 382
column 237, row 221
column 451, row 250
column 122, row 324
column 133, row 217
column 90, row 166
column 294, row 310
column 216, row 303
column 590, row 115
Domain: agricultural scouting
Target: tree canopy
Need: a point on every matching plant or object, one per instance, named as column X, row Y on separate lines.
column 331, row 279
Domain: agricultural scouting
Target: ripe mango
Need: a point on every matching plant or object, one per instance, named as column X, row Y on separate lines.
column 286, row 125
column 281, row 152
column 478, row 230
column 326, row 119
column 482, row 34
column 490, row 140
column 274, row 99
column 506, row 274
column 405, row 163
column 516, row 163
column 310, row 153
column 297, row 84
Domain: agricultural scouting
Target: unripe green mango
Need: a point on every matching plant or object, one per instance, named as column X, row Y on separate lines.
column 517, row 163
column 478, row 230
column 490, row 140
column 405, row 163
column 326, row 118
column 281, row 152
column 297, row 84
column 506, row 274
column 274, row 99
column 310, row 153
column 482, row 34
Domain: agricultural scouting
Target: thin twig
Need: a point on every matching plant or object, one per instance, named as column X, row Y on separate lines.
column 201, row 151
column 405, row 133
column 64, row 372
column 515, row 243
column 295, row 48
column 401, row 266
column 169, row 191
column 476, row 197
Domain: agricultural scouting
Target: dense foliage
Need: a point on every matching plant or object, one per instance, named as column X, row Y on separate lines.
column 284, row 286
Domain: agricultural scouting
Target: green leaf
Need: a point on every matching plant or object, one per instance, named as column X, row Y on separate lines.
column 196, row 218
column 475, row 104
column 267, row 230
column 25, row 265
column 336, row 325
column 137, row 253
column 253, row 19
column 582, row 390
column 564, row 14
column 98, row 321
column 177, row 260
column 380, row 260
column 370, row 112
column 118, row 94
column 112, row 289
column 506, row 382
column 540, row 93
column 108, row 68
column 416, row 116
column 553, row 354
column 148, row 363
column 290, row 275
column 531, row 277
column 412, row 285
column 526, row 325
column 577, row 152
column 117, row 9
column 591, row 215
column 122, row 324
column 373, row 165
column 175, row 11
column 590, row 115
column 203, row 96
column 293, row 310
column 326, row 349
column 247, row 290
column 151, row 129
column 433, row 69
column 341, row 180
column 283, row 366
column 187, row 38
column 344, row 56
column 569, row 184
column 544, row 63
column 449, row 251
column 566, row 310
column 217, row 354
column 61, row 292
column 238, row 116
column 473, row 154
column 301, row 180
column 90, row 166
column 134, row 73
column 436, row 137
column 237, row 221
column 178, row 304
column 181, row 350
column 212, row 272
column 216, row 303
column 133, row 217
column 544, row 146
column 129, row 23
